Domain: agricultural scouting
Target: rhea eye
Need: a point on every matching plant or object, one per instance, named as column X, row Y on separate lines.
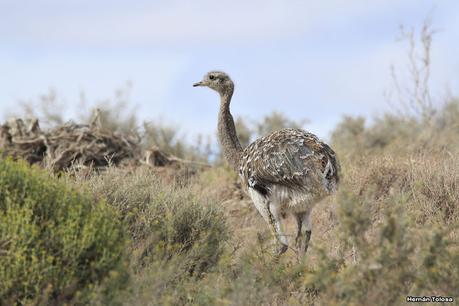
column 211, row 77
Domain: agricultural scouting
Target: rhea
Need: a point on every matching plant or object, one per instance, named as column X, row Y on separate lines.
column 285, row 172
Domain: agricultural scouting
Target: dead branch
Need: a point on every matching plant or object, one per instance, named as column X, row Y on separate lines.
column 65, row 145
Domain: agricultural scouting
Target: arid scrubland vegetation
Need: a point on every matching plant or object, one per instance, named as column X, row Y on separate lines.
column 185, row 233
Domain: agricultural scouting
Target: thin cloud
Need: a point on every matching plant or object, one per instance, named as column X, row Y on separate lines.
column 309, row 59
column 176, row 22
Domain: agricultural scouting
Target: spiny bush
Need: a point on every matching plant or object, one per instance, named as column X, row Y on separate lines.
column 390, row 259
column 165, row 221
column 395, row 134
column 253, row 278
column 177, row 235
column 56, row 244
column 397, row 233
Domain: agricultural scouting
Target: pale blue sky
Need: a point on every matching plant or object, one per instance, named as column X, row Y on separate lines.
column 309, row 59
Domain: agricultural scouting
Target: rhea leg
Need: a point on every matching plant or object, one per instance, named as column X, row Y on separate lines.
column 304, row 231
column 275, row 220
column 271, row 213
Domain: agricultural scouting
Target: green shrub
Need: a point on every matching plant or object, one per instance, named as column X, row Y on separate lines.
column 397, row 234
column 398, row 135
column 178, row 236
column 56, row 244
column 165, row 220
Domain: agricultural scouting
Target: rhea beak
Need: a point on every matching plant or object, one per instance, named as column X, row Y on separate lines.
column 198, row 84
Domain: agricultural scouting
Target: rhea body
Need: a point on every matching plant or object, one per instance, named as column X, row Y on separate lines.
column 285, row 172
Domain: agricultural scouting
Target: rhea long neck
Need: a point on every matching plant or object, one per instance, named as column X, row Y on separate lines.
column 227, row 136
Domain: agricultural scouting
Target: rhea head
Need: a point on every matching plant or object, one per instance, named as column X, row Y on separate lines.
column 218, row 81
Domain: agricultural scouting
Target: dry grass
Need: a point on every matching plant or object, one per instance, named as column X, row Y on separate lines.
column 391, row 230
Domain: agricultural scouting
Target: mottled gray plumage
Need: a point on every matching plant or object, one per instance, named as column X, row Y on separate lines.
column 287, row 171
column 292, row 158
